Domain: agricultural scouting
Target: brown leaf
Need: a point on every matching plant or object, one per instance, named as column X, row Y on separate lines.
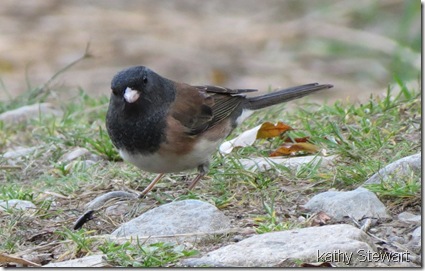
column 269, row 129
column 290, row 149
column 320, row 219
column 298, row 139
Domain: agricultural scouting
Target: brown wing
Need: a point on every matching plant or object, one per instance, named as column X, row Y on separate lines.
column 199, row 108
column 223, row 90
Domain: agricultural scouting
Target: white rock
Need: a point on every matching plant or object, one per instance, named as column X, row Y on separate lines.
column 19, row 152
column 417, row 232
column 415, row 243
column 179, row 217
column 305, row 245
column 398, row 170
column 118, row 209
column 17, row 204
column 409, row 218
column 30, row 111
column 76, row 153
column 88, row 261
column 358, row 203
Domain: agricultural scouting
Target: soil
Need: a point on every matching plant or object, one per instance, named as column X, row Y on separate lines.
column 237, row 44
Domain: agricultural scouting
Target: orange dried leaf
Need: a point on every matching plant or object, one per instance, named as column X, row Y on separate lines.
column 298, row 139
column 269, row 129
column 289, row 149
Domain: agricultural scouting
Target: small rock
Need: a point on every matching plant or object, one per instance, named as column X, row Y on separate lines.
column 398, row 170
column 410, row 218
column 19, row 152
column 118, row 209
column 27, row 112
column 38, row 258
column 88, row 261
column 417, row 232
column 17, row 204
column 237, row 238
column 179, row 217
column 18, row 155
column 301, row 219
column 342, row 244
column 76, row 153
column 265, row 163
column 358, row 203
column 415, row 243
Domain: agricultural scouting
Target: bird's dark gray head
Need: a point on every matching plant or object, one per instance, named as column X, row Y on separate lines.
column 137, row 82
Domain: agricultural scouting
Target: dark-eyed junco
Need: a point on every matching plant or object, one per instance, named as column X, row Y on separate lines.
column 163, row 126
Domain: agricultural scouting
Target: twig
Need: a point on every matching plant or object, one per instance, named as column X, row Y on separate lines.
column 67, row 67
column 44, row 86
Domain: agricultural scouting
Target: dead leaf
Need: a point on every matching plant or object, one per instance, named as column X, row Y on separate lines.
column 290, row 149
column 269, row 130
column 10, row 259
column 298, row 139
column 248, row 137
column 318, row 219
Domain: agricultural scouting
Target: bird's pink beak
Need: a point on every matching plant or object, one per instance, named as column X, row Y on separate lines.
column 131, row 95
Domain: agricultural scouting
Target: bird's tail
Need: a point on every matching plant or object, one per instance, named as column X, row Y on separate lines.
column 284, row 95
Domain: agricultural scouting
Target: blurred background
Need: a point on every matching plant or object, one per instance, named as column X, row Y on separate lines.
column 359, row 46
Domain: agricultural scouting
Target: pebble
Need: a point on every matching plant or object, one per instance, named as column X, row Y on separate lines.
column 27, row 112
column 358, row 204
column 190, row 217
column 17, row 205
column 409, row 218
column 398, row 170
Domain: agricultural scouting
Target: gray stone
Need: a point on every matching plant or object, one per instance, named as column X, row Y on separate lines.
column 417, row 233
column 19, row 152
column 78, row 153
column 27, row 112
column 88, row 261
column 294, row 163
column 18, row 155
column 415, row 243
column 409, row 218
column 305, row 245
column 118, row 209
column 398, row 170
column 179, row 217
column 358, row 203
column 17, row 204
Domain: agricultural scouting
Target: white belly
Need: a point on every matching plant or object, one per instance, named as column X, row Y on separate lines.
column 171, row 162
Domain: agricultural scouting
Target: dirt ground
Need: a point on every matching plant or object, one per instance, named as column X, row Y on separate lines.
column 238, row 43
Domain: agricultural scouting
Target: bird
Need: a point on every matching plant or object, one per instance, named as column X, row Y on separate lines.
column 165, row 126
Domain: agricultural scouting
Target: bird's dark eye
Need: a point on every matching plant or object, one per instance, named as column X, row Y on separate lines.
column 116, row 91
column 145, row 79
